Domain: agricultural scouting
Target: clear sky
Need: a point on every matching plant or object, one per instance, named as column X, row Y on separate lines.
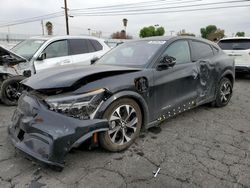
column 232, row 19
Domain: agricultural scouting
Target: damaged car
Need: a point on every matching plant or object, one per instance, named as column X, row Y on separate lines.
column 134, row 86
column 41, row 53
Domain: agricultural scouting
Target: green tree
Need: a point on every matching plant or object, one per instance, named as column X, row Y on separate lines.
column 240, row 34
column 211, row 32
column 151, row 31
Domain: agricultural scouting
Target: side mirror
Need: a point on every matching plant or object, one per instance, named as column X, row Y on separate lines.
column 166, row 62
column 41, row 57
column 92, row 61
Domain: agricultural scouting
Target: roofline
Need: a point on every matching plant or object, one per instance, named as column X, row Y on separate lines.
column 230, row 38
column 65, row 37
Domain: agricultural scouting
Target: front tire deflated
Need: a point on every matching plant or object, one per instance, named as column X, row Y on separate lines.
column 125, row 119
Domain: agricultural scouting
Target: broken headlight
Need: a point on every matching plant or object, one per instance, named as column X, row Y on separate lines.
column 80, row 106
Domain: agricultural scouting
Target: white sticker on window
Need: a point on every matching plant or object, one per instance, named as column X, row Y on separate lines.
column 157, row 42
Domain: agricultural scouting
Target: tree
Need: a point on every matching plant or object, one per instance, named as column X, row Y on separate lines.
column 184, row 33
column 121, row 35
column 240, row 34
column 211, row 32
column 49, row 27
column 152, row 31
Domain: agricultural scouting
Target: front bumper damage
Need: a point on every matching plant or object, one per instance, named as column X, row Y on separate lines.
column 48, row 136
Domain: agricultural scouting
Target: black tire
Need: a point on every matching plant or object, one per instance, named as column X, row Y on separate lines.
column 5, row 94
column 123, row 125
column 224, row 93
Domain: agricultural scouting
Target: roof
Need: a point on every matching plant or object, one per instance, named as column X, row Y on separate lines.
column 166, row 38
column 64, row 37
column 235, row 38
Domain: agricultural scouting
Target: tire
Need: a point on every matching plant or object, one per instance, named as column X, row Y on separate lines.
column 224, row 93
column 10, row 96
column 128, row 122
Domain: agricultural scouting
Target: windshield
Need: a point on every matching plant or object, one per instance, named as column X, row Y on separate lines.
column 28, row 48
column 235, row 44
column 131, row 54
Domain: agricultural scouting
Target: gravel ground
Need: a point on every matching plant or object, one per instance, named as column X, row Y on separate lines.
column 205, row 147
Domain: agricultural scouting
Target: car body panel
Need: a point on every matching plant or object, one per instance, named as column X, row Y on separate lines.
column 48, row 137
column 160, row 93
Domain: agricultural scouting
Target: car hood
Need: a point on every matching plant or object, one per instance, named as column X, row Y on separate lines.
column 10, row 58
column 73, row 76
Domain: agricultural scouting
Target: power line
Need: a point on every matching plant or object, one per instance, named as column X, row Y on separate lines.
column 34, row 19
column 121, row 6
column 128, row 4
column 162, row 8
column 175, row 11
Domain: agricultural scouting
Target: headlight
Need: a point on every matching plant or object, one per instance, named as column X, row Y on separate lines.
column 80, row 106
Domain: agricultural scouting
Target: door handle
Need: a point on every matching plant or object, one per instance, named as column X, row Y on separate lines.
column 195, row 74
column 67, row 61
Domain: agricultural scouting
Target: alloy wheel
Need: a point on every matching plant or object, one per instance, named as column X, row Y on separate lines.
column 225, row 92
column 123, row 122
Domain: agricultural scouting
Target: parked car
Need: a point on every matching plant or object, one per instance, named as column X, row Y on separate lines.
column 40, row 53
column 136, row 85
column 239, row 49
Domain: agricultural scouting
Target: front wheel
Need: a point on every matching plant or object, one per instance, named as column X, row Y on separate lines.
column 125, row 119
column 11, row 90
column 224, row 93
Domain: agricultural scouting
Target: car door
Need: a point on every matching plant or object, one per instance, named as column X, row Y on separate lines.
column 54, row 55
column 203, row 57
column 175, row 87
column 80, row 51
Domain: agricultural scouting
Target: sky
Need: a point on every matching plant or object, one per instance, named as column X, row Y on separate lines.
column 231, row 20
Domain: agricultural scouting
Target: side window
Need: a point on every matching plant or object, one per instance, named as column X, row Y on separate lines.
column 78, row 46
column 96, row 45
column 91, row 47
column 180, row 51
column 57, row 49
column 201, row 50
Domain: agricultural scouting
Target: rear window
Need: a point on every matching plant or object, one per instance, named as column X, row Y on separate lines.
column 201, row 50
column 96, row 44
column 235, row 44
column 78, row 46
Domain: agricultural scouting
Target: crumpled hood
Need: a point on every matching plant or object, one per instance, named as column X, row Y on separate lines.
column 71, row 75
column 9, row 57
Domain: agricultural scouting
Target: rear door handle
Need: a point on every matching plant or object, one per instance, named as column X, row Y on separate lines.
column 195, row 74
column 66, row 61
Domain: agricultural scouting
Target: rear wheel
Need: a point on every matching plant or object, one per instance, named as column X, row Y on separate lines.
column 125, row 119
column 11, row 90
column 224, row 93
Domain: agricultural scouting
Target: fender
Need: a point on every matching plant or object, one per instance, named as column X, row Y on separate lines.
column 227, row 73
column 128, row 94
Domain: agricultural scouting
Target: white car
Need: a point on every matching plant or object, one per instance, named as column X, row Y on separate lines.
column 239, row 49
column 47, row 52
column 40, row 53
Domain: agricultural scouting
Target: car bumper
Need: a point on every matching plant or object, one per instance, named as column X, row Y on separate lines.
column 242, row 69
column 48, row 136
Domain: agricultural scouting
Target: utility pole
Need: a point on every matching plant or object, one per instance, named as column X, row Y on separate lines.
column 66, row 16
column 42, row 27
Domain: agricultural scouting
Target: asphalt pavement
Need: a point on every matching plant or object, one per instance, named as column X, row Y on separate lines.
column 205, row 147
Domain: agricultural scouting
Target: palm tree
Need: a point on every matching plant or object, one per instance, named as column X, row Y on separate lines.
column 49, row 27
column 125, row 23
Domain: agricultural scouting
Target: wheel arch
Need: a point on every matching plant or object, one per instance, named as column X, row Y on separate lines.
column 228, row 74
column 126, row 94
